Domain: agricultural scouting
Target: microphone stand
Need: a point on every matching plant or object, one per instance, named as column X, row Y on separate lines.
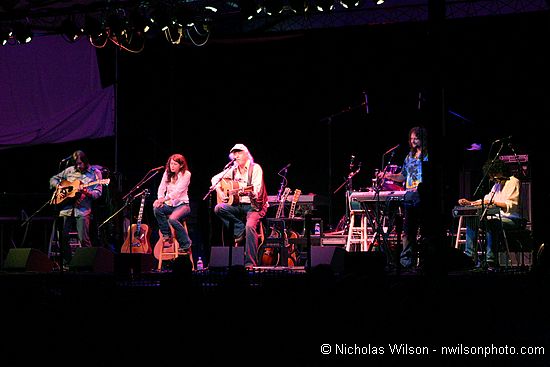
column 520, row 167
column 284, row 183
column 128, row 198
column 379, row 215
column 349, row 184
column 328, row 119
column 51, row 201
column 212, row 188
column 482, row 219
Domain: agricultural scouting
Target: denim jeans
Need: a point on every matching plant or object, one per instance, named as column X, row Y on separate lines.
column 411, row 225
column 244, row 220
column 83, row 229
column 493, row 236
column 172, row 216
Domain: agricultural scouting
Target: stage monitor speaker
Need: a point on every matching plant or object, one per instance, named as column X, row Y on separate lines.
column 136, row 263
column 328, row 255
column 92, row 259
column 27, row 259
column 219, row 256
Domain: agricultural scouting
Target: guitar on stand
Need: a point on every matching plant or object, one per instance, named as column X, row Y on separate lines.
column 269, row 257
column 137, row 240
column 293, row 253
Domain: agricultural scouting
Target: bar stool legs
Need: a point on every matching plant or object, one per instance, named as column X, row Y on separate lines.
column 357, row 234
column 172, row 252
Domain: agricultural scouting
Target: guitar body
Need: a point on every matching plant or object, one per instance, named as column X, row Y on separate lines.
column 270, row 255
column 137, row 241
column 67, row 190
column 172, row 250
column 293, row 252
column 231, row 189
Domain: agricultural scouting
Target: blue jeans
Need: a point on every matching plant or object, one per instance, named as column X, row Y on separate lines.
column 244, row 220
column 83, row 229
column 493, row 236
column 411, row 225
column 172, row 216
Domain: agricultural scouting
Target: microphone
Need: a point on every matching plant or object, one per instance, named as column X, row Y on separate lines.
column 392, row 149
column 503, row 139
column 284, row 168
column 366, row 102
column 230, row 163
column 158, row 168
column 419, row 100
column 66, row 159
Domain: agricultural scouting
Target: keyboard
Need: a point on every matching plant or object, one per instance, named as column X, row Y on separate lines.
column 363, row 196
column 474, row 210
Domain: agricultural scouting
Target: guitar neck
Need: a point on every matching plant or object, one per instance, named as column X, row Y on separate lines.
column 100, row 182
column 281, row 207
column 294, row 201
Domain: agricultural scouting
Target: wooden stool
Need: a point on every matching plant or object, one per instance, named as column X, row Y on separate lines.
column 357, row 234
column 171, row 253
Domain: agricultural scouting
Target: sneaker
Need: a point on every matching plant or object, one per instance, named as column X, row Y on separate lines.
column 167, row 242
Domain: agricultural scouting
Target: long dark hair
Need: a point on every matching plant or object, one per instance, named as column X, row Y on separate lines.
column 178, row 158
column 78, row 154
column 422, row 134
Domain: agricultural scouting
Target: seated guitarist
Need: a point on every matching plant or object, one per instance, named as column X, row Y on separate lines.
column 245, row 210
column 505, row 195
column 78, row 207
column 172, row 203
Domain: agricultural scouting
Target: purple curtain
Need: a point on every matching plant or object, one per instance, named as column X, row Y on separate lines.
column 50, row 92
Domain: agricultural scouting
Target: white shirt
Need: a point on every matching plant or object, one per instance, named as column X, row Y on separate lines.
column 175, row 193
column 508, row 194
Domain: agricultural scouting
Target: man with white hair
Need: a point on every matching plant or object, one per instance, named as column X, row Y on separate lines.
column 242, row 199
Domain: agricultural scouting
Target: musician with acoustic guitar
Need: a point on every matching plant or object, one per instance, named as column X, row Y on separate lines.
column 172, row 203
column 75, row 188
column 242, row 199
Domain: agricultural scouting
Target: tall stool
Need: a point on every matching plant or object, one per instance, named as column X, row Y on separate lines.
column 357, row 235
column 172, row 252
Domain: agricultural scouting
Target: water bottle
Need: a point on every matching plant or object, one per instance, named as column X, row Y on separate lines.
column 200, row 264
column 317, row 230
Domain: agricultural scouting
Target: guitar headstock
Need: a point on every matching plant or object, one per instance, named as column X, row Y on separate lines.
column 285, row 194
column 297, row 194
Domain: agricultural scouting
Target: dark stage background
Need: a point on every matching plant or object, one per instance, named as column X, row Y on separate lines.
column 478, row 80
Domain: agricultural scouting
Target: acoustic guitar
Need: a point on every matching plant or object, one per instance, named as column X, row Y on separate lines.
column 232, row 190
column 270, row 257
column 66, row 189
column 137, row 240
